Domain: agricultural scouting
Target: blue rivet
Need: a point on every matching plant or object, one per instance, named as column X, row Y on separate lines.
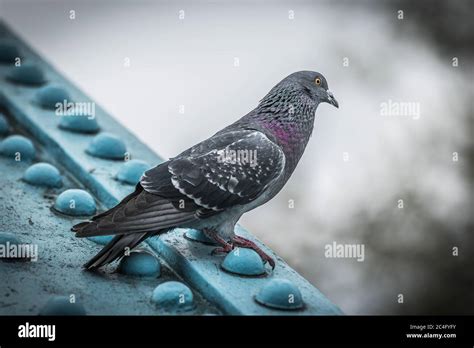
column 173, row 297
column 17, row 147
column 75, row 202
column 10, row 238
column 280, row 294
column 131, row 171
column 198, row 236
column 140, row 263
column 108, row 146
column 7, row 240
column 79, row 124
column 62, row 305
column 43, row 174
column 49, row 96
column 27, row 74
column 244, row 261
column 102, row 240
column 8, row 52
column 4, row 127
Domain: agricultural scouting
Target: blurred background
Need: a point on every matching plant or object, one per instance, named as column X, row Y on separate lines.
column 175, row 72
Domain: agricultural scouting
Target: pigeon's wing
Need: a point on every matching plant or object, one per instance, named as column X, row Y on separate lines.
column 228, row 169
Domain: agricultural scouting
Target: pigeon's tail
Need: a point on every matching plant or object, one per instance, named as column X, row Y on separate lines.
column 139, row 216
column 116, row 248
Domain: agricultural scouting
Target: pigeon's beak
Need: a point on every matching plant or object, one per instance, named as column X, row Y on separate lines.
column 332, row 100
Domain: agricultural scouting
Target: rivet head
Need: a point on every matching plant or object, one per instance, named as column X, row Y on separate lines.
column 49, row 96
column 280, row 294
column 244, row 261
column 4, row 127
column 102, row 240
column 131, row 171
column 173, row 297
column 79, row 124
column 62, row 305
column 75, row 202
column 8, row 52
column 17, row 147
column 6, row 240
column 198, row 236
column 27, row 74
column 43, row 174
column 140, row 263
column 107, row 146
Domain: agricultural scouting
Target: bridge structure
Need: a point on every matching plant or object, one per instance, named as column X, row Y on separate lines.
column 63, row 159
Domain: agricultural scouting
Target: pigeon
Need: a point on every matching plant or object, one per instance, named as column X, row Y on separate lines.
column 209, row 186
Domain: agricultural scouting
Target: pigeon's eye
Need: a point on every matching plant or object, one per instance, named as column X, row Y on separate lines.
column 317, row 81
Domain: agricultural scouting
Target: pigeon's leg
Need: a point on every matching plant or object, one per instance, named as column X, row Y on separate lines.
column 245, row 243
column 225, row 247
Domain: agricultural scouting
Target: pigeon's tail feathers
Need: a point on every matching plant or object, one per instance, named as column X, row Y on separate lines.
column 137, row 213
column 138, row 190
column 116, row 248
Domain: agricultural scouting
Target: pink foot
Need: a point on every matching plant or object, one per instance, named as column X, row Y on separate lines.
column 245, row 243
column 225, row 247
column 222, row 250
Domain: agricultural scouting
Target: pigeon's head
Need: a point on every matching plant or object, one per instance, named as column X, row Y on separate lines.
column 313, row 84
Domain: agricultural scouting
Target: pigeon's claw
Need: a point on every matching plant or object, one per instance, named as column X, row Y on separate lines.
column 245, row 243
column 222, row 250
column 237, row 241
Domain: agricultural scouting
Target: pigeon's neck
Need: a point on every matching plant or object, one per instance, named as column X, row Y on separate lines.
column 288, row 119
column 292, row 138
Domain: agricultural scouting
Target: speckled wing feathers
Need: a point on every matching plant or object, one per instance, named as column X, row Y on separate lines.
column 229, row 169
